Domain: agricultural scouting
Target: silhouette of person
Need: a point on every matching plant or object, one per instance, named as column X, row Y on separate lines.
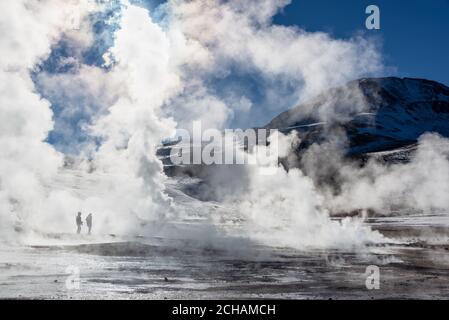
column 89, row 222
column 79, row 223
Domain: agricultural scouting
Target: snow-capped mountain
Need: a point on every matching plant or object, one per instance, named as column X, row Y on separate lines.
column 376, row 114
column 380, row 117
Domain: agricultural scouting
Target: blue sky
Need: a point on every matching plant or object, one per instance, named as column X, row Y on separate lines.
column 415, row 33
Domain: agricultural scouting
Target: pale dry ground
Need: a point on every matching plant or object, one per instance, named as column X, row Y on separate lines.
column 137, row 268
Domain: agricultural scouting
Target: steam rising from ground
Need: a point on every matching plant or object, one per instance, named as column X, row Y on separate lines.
column 421, row 184
column 287, row 209
column 159, row 76
column 29, row 28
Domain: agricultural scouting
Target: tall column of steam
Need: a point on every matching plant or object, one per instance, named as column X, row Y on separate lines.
column 28, row 30
column 134, row 126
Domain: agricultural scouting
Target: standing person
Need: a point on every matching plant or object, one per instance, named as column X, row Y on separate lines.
column 89, row 222
column 79, row 222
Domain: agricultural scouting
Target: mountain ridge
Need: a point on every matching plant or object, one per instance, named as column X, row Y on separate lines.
column 391, row 113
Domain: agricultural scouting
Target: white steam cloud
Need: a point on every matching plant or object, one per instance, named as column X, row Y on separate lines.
column 220, row 36
column 421, row 184
column 29, row 29
column 158, row 77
